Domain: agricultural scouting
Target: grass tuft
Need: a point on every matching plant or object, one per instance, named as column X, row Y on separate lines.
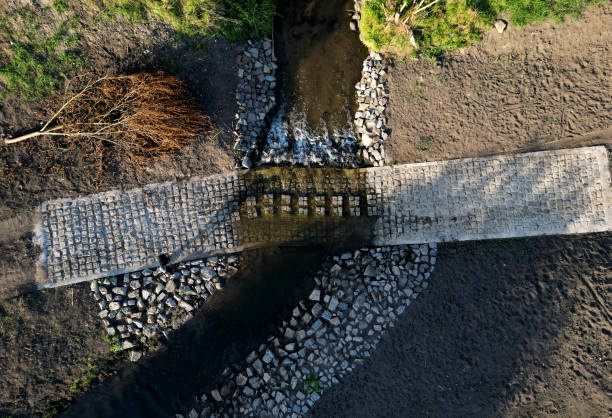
column 388, row 25
column 60, row 6
column 234, row 19
column 35, row 64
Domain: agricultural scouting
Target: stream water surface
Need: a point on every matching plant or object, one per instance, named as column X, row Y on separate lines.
column 233, row 322
column 320, row 62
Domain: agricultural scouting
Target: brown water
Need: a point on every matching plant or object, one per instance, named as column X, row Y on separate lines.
column 320, row 61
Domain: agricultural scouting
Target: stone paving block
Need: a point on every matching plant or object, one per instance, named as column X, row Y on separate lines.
column 551, row 192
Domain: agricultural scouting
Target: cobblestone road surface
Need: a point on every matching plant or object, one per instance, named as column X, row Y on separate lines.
column 552, row 192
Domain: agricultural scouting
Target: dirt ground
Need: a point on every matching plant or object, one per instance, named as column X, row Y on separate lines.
column 513, row 91
column 514, row 327
column 48, row 340
column 507, row 328
column 511, row 328
column 42, row 169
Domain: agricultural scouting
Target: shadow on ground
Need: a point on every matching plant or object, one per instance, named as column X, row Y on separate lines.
column 508, row 328
column 231, row 324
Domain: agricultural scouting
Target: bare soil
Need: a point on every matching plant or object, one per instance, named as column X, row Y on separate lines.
column 525, row 88
column 45, row 168
column 507, row 328
column 515, row 327
column 47, row 341
column 510, row 328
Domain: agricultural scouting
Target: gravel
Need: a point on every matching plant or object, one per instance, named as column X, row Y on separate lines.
column 255, row 97
column 159, row 300
column 372, row 98
column 326, row 336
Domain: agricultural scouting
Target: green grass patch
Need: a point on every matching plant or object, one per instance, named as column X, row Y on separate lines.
column 448, row 26
column 388, row 25
column 35, row 64
column 60, row 6
column 248, row 19
column 380, row 36
column 84, row 382
column 424, row 143
column 523, row 12
column 113, row 340
column 234, row 19
column 312, row 384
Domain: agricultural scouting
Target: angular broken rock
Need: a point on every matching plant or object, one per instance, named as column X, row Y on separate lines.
column 216, row 395
column 501, row 25
column 241, row 379
column 315, row 295
column 371, row 271
column 366, row 140
column 135, row 356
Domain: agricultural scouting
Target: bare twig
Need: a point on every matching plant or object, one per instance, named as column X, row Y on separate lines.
column 425, row 7
column 142, row 114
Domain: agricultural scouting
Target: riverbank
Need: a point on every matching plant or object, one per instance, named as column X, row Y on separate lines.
column 524, row 88
column 506, row 328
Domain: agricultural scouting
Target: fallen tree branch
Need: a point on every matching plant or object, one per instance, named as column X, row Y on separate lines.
column 143, row 114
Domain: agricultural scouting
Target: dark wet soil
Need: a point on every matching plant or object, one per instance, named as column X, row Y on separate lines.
column 320, row 61
column 48, row 339
column 506, row 328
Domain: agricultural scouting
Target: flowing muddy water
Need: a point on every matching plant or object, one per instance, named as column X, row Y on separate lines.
column 320, row 62
column 232, row 322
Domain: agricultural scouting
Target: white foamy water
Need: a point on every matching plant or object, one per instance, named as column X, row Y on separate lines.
column 291, row 141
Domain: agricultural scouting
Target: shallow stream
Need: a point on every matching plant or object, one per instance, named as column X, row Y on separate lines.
column 320, row 61
column 233, row 322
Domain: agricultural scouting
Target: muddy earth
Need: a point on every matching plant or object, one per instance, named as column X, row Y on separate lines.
column 507, row 328
column 513, row 91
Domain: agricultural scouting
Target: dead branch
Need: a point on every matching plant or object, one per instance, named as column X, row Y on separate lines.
column 142, row 114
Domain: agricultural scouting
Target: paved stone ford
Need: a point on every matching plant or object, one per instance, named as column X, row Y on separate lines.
column 552, row 192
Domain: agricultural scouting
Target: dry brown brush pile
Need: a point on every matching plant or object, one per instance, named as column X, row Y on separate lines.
column 139, row 116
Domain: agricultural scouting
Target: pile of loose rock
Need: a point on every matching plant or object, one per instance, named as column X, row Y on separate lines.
column 358, row 296
column 372, row 99
column 354, row 24
column 137, row 308
column 255, row 97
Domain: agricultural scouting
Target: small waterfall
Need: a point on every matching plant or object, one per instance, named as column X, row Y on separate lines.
column 291, row 141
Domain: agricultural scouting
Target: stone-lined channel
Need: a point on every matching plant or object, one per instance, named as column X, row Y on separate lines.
column 320, row 62
column 230, row 324
column 222, row 308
